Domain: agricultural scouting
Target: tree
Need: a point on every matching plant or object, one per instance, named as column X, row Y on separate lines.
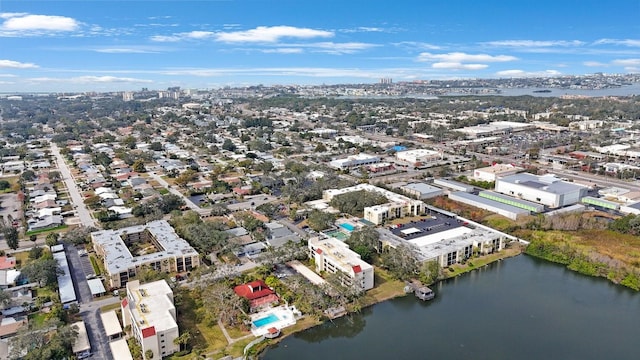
column 156, row 146
column 44, row 271
column 4, row 185
column 11, row 236
column 228, row 145
column 365, row 242
column 319, row 220
column 52, row 239
column 138, row 166
column 183, row 339
column 35, row 252
column 401, row 262
column 28, row 175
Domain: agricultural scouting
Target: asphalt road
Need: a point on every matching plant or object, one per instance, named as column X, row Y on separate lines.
column 76, row 197
column 190, row 204
column 89, row 310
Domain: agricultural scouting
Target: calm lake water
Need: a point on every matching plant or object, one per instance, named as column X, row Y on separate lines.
column 519, row 308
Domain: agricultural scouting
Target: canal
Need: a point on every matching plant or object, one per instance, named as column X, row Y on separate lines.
column 519, row 308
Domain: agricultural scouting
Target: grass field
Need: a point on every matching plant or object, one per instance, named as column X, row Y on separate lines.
column 385, row 287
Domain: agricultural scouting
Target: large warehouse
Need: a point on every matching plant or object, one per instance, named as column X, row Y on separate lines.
column 419, row 156
column 547, row 190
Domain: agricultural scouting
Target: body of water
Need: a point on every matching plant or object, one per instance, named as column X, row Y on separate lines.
column 519, row 308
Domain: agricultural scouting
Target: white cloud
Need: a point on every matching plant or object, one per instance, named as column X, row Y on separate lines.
column 594, row 64
column 271, row 34
column 340, row 48
column 10, row 64
column 522, row 73
column 417, row 45
column 28, row 23
column 458, row 66
column 90, row 80
column 10, row 15
column 283, row 51
column 192, row 35
column 8, row 76
column 127, row 50
column 626, row 62
column 460, row 57
column 624, row 42
column 534, row 43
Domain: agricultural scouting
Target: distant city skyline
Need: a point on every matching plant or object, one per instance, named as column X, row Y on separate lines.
column 127, row 45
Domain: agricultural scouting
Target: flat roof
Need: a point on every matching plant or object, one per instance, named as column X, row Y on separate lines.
column 440, row 236
column 410, row 231
column 120, row 350
column 488, row 202
column 306, row 272
column 152, row 305
column 111, row 323
column 65, row 283
column 82, row 341
column 547, row 183
column 96, row 287
column 118, row 257
column 422, row 188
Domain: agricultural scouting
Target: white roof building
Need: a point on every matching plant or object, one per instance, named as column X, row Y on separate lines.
column 354, row 161
column 81, row 346
column 398, row 205
column 173, row 254
column 490, row 173
column 419, row 156
column 333, row 256
column 150, row 311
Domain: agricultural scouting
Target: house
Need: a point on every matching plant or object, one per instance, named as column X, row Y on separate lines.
column 9, row 326
column 280, row 235
column 258, row 294
column 7, row 262
column 45, row 222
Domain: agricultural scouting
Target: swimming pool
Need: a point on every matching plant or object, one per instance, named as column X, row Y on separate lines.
column 347, row 226
column 266, row 320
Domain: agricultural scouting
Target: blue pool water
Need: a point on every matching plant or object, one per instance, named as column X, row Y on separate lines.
column 266, row 320
column 347, row 227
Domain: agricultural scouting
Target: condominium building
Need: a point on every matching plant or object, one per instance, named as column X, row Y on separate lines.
column 334, row 256
column 155, row 245
column 149, row 309
column 398, row 205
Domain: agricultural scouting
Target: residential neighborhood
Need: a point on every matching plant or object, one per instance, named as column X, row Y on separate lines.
column 137, row 225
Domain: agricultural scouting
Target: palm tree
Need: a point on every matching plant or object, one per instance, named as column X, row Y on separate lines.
column 183, row 339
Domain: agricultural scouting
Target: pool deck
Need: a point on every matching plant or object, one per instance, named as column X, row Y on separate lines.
column 285, row 314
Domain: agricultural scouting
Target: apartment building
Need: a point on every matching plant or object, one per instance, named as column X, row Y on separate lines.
column 334, row 256
column 150, row 311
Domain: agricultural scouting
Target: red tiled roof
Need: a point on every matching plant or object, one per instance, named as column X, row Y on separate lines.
column 272, row 330
column 357, row 269
column 150, row 331
column 319, row 251
column 124, row 302
column 253, row 290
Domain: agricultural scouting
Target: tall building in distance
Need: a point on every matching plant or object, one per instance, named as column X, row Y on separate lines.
column 386, row 81
column 127, row 96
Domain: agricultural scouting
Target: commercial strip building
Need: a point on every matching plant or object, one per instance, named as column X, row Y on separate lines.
column 334, row 256
column 547, row 189
column 354, row 161
column 421, row 190
column 172, row 253
column 150, row 311
column 491, row 173
column 397, row 207
column 419, row 157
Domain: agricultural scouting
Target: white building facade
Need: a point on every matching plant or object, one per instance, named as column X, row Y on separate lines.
column 546, row 190
column 334, row 256
column 150, row 311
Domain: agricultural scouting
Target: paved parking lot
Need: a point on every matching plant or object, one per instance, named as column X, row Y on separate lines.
column 85, row 262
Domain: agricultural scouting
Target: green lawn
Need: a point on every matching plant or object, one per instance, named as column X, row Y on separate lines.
column 385, row 287
column 36, row 232
column 37, row 319
column 94, row 264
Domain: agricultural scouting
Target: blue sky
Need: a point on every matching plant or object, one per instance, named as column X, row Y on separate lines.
column 86, row 45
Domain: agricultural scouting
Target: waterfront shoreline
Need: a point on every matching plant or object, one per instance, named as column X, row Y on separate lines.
column 259, row 349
